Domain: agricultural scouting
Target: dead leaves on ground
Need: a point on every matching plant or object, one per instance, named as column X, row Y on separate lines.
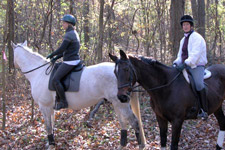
column 71, row 131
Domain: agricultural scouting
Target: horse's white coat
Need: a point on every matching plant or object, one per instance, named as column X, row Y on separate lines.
column 97, row 82
column 220, row 138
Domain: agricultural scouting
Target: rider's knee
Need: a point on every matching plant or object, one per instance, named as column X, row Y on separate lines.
column 55, row 81
column 199, row 87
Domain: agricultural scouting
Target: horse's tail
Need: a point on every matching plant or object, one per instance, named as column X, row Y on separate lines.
column 136, row 109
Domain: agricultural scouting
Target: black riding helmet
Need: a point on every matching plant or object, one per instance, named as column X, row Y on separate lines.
column 187, row 18
column 69, row 18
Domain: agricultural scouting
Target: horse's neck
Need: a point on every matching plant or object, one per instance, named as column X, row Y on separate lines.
column 154, row 75
column 28, row 61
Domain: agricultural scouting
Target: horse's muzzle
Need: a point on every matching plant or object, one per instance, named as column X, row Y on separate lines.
column 123, row 98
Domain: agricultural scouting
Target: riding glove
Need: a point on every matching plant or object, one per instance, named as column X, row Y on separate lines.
column 50, row 56
column 53, row 60
column 181, row 67
column 174, row 65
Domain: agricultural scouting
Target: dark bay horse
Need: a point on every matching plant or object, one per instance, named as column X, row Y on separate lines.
column 172, row 98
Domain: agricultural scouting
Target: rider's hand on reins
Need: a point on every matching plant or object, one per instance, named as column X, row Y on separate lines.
column 53, row 60
column 49, row 56
column 181, row 67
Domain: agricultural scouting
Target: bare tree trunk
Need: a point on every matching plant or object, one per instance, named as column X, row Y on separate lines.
column 3, row 73
column 216, row 32
column 207, row 13
column 201, row 17
column 72, row 7
column 11, row 26
column 50, row 29
column 3, row 90
column 176, row 12
column 110, row 17
column 86, row 25
column 133, row 32
column 160, row 22
column 198, row 10
column 220, row 45
column 49, row 11
column 58, row 8
column 146, row 28
column 208, row 18
column 194, row 7
column 101, row 32
column 110, row 32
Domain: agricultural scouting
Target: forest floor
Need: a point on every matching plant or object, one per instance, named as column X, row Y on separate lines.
column 71, row 131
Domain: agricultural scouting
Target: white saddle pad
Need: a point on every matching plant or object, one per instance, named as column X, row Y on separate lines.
column 207, row 75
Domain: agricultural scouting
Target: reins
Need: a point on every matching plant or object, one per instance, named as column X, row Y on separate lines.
column 50, row 66
column 165, row 85
column 158, row 87
column 151, row 89
column 47, row 73
column 35, row 68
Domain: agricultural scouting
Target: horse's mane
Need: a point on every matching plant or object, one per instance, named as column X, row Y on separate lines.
column 36, row 54
column 148, row 60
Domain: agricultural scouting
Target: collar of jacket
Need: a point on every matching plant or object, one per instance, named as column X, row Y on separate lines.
column 188, row 33
column 69, row 29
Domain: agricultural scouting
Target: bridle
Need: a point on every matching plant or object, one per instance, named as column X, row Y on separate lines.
column 132, row 76
column 131, row 82
column 46, row 72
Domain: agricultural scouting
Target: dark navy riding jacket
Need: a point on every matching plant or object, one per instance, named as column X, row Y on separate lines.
column 70, row 46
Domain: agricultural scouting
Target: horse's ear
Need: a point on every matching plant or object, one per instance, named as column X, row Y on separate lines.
column 25, row 43
column 123, row 55
column 13, row 45
column 113, row 57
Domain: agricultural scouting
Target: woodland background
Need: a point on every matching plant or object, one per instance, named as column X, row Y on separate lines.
column 144, row 27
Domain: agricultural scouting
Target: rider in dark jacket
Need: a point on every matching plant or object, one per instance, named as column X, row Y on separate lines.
column 69, row 50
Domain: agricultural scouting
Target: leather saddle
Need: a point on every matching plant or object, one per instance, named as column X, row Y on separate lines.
column 186, row 75
column 194, row 110
column 70, row 82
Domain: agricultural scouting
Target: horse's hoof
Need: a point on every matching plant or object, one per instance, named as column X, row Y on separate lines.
column 51, row 147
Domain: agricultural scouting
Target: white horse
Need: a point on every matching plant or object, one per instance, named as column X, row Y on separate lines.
column 97, row 82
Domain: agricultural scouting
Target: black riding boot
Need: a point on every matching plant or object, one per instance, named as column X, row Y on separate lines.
column 61, row 103
column 204, row 104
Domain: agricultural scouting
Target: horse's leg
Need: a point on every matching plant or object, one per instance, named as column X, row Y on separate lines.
column 48, row 114
column 136, row 109
column 163, row 126
column 176, row 130
column 125, row 114
column 221, row 120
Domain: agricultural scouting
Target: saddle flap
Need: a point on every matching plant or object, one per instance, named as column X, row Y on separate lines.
column 207, row 74
column 70, row 82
